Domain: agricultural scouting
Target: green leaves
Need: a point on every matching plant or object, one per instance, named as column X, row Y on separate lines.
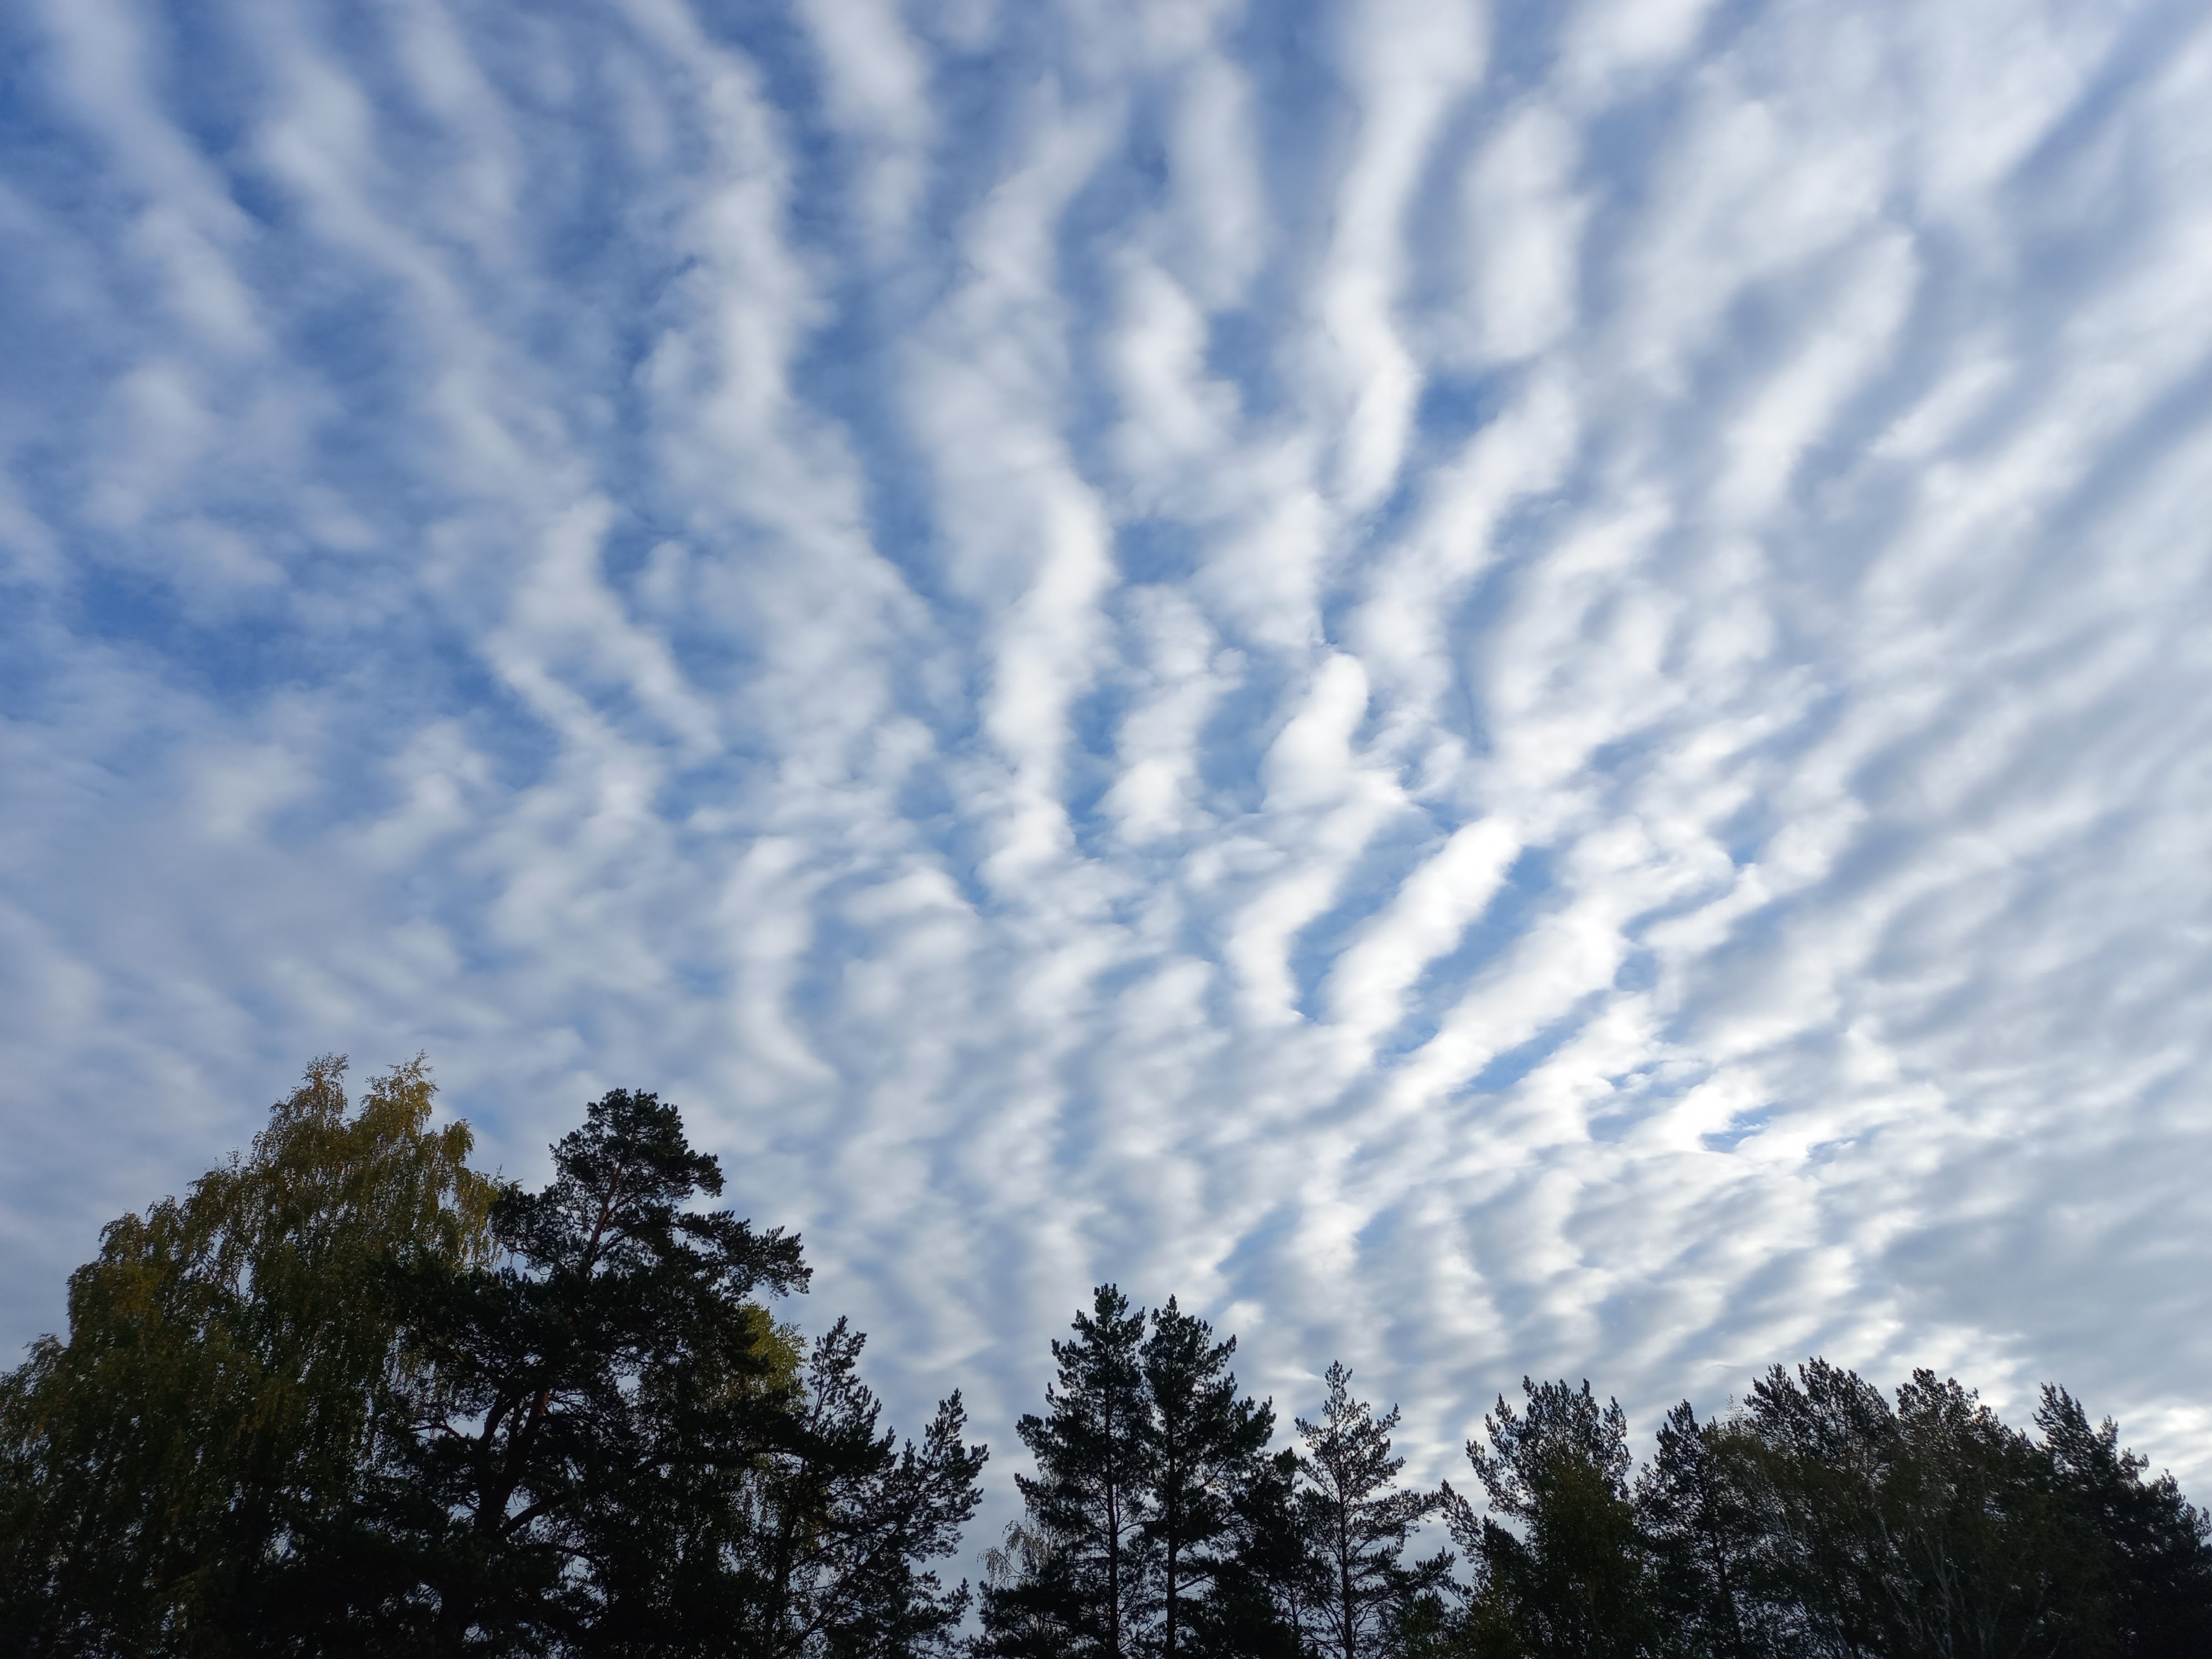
column 233, row 1357
column 1569, row 1575
column 349, row 1395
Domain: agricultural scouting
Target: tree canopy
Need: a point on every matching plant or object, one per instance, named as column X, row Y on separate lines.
column 348, row 1395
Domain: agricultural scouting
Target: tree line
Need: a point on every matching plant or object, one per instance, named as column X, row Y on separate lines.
column 349, row 1395
column 1817, row 1519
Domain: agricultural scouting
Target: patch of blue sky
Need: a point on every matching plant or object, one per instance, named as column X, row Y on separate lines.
column 1248, row 714
column 1739, row 1129
column 988, row 100
column 1156, row 551
column 1304, row 112
column 1251, row 1270
column 1527, row 892
column 1241, row 343
column 1454, row 407
column 1503, row 1072
column 1372, row 880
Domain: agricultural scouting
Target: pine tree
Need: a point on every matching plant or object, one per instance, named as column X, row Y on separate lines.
column 1207, row 1450
column 1360, row 1521
column 2150, row 1550
column 604, row 1389
column 1266, row 1599
column 1567, row 1579
column 828, row 1548
column 1698, row 1514
column 1089, row 1540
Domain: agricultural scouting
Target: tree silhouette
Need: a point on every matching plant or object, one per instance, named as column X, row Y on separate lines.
column 1360, row 1521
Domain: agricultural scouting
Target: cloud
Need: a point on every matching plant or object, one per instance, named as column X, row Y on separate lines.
column 1495, row 696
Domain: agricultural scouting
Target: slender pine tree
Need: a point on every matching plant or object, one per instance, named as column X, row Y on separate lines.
column 1087, row 1544
column 1208, row 1450
column 1360, row 1521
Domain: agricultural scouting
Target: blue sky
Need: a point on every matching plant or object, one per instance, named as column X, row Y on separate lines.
column 1494, row 690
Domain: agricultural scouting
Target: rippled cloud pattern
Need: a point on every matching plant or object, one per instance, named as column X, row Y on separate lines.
column 1498, row 689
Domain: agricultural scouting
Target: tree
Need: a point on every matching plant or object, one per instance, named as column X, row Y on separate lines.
column 1207, row 1447
column 608, row 1392
column 1265, row 1596
column 1568, row 1577
column 1929, row 1529
column 1087, row 1551
column 1028, row 1595
column 350, row 1396
column 233, row 1357
column 2149, row 1548
column 1823, row 1441
column 231, row 1361
column 827, row 1551
column 1360, row 1524
column 1988, row 1567
column 1697, row 1507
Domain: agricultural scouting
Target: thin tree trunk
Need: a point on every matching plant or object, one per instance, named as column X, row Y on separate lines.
column 1113, row 1573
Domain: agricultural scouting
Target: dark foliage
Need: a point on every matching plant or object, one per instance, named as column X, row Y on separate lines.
column 233, row 1358
column 1157, row 1524
column 1360, row 1523
column 2146, row 1547
column 349, row 1396
column 1208, row 1445
column 1559, row 1569
column 1266, row 1595
column 607, row 1377
column 1088, row 1556
column 1821, row 1520
column 1703, row 1529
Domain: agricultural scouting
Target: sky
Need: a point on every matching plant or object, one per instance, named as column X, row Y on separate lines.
column 1494, row 689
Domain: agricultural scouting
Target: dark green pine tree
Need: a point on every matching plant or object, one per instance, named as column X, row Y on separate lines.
column 1567, row 1579
column 608, row 1376
column 1267, row 1596
column 1081, row 1579
column 623, row 1454
column 1208, row 1449
column 1698, row 1513
column 1360, row 1523
column 826, row 1557
column 2151, row 1550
